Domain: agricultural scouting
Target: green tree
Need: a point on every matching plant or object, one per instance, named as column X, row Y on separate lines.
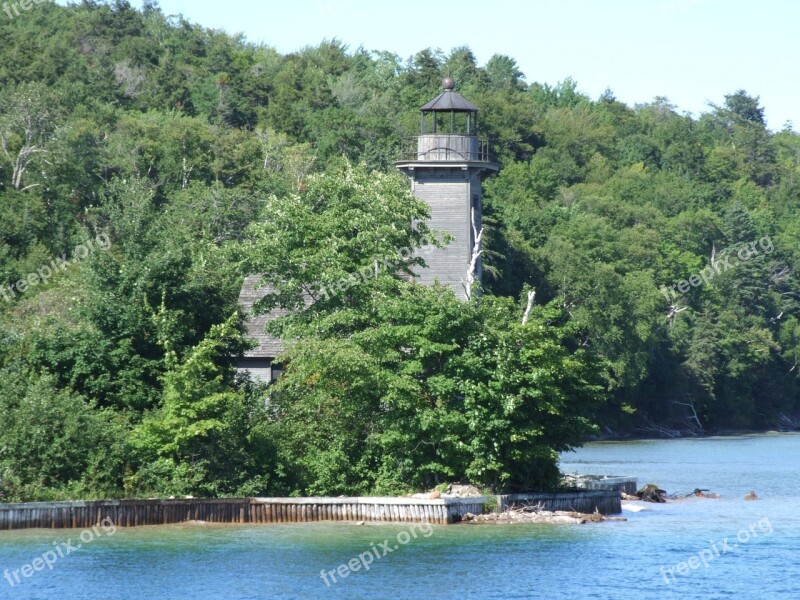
column 56, row 445
column 204, row 438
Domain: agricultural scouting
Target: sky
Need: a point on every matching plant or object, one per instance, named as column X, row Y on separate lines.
column 691, row 51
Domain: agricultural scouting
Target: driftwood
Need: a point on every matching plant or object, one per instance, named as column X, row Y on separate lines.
column 649, row 426
column 696, row 493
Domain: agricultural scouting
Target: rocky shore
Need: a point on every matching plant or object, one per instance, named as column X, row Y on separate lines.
column 531, row 515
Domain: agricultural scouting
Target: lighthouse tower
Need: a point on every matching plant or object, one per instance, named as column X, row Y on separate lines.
column 446, row 164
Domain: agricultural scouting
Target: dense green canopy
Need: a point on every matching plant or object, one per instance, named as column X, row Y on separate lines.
column 662, row 248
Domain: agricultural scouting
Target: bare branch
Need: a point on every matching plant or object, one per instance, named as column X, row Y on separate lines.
column 650, row 426
column 693, row 416
column 674, row 311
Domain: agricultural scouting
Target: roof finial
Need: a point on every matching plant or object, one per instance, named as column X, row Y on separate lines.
column 448, row 84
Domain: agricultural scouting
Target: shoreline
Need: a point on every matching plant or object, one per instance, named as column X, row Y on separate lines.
column 686, row 434
column 442, row 511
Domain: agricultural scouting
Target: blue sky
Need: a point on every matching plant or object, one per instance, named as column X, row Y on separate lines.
column 691, row 51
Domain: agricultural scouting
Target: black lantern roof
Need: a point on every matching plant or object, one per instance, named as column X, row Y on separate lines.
column 449, row 101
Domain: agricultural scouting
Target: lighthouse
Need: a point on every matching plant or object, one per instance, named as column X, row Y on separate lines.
column 446, row 164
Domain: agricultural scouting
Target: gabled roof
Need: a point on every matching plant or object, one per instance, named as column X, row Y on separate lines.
column 449, row 101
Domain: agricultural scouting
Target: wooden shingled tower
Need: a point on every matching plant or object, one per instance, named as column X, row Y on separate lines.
column 446, row 164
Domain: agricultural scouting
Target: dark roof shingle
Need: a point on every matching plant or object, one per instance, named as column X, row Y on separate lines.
column 449, row 101
column 269, row 346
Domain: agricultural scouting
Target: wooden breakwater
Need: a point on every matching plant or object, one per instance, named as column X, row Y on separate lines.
column 628, row 485
column 134, row 513
column 606, row 502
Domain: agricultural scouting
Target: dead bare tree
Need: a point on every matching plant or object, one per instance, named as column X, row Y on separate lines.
column 649, row 426
column 531, row 298
column 693, row 416
column 713, row 260
column 674, row 311
column 130, row 79
column 26, row 124
column 273, row 144
column 299, row 160
column 476, row 255
column 779, row 273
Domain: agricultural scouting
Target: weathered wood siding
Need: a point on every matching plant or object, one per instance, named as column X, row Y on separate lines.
column 259, row 369
column 451, row 194
column 448, row 147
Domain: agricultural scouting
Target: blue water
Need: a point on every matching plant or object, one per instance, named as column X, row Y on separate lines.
column 606, row 560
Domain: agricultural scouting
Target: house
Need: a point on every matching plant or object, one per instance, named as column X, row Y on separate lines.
column 260, row 361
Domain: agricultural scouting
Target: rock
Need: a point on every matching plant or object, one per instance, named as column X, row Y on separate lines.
column 559, row 517
column 704, row 494
column 566, row 520
column 360, row 523
column 651, row 493
column 435, row 495
column 751, row 496
column 462, row 491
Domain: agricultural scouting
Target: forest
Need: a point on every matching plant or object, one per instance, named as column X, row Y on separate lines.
column 638, row 267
